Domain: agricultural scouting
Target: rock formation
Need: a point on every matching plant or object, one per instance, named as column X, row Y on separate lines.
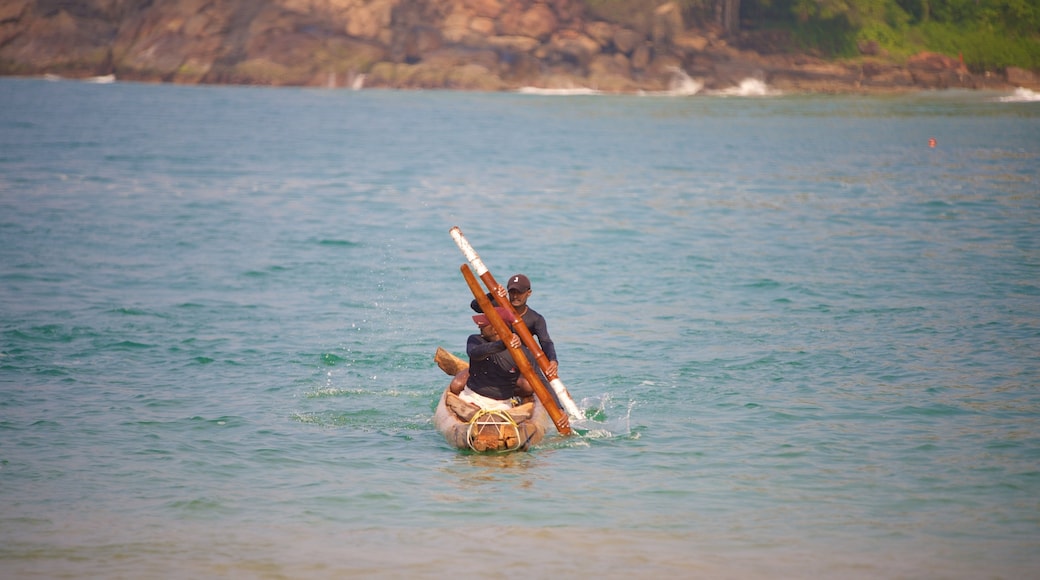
column 486, row 45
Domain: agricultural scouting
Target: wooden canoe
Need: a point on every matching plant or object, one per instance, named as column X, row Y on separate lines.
column 467, row 426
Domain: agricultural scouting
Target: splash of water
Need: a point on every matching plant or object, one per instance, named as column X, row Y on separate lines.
column 102, row 80
column 683, row 84
column 1021, row 95
column 598, row 424
column 749, row 87
column 557, row 92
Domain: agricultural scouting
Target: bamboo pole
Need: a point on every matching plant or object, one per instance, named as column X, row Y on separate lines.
column 521, row 328
column 519, row 357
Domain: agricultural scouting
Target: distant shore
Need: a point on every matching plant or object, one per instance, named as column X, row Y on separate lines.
column 683, row 87
column 475, row 45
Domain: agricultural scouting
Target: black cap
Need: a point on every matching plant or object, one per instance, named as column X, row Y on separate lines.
column 518, row 282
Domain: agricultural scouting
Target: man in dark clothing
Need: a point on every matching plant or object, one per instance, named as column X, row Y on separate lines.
column 519, row 288
column 492, row 373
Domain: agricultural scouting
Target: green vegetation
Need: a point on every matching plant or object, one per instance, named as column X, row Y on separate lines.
column 988, row 34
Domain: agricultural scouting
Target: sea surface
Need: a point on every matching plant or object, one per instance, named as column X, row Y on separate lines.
column 805, row 342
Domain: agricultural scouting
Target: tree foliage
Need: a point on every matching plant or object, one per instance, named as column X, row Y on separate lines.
column 989, row 34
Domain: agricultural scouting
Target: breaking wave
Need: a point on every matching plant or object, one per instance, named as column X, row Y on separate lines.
column 1021, row 96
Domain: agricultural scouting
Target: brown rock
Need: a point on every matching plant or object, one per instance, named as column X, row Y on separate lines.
column 513, row 43
column 385, row 74
column 667, row 23
column 574, row 46
column 420, row 40
column 537, row 22
column 482, row 25
column 485, row 8
column 626, row 40
column 690, row 43
column 451, row 57
column 601, row 32
column 868, row 47
column 612, row 83
column 12, row 14
column 1022, row 77
column 641, row 57
column 59, row 41
column 178, row 41
column 568, row 11
column 931, row 62
column 367, row 21
column 521, row 69
column 474, row 77
column 664, row 66
column 456, row 27
column 610, row 65
column 509, row 21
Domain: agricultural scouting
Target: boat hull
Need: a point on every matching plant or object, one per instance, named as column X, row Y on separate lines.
column 465, row 426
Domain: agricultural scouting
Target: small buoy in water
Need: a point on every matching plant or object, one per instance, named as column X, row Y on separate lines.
column 931, row 142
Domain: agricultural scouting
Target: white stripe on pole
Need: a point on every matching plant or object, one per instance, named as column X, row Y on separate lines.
column 468, row 251
column 565, row 398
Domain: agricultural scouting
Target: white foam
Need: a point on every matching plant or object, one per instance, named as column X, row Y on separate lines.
column 557, row 92
column 101, row 80
column 749, row 87
column 1021, row 96
column 683, row 85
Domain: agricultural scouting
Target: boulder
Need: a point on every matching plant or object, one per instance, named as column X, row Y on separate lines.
column 1022, row 78
column 474, row 77
column 482, row 25
column 568, row 12
column 520, row 69
column 869, row 47
column 667, row 23
column 64, row 41
column 641, row 57
column 451, row 57
column 627, row 40
column 601, row 32
column 513, row 43
column 690, row 43
column 574, row 46
column 179, row 41
column 420, row 40
column 604, row 65
column 932, row 62
column 13, row 13
column 484, row 8
column 456, row 27
column 368, row 21
column 538, row 22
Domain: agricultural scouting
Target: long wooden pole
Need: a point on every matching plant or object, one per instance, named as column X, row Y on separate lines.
column 521, row 328
column 519, row 357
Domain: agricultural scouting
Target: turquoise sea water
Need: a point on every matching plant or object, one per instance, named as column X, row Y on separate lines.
column 806, row 342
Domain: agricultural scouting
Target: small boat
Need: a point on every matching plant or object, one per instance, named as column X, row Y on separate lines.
column 467, row 426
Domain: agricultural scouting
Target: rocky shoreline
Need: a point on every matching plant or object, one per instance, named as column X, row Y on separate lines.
column 482, row 45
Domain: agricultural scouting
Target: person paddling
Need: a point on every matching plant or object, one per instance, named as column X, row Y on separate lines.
column 492, row 379
column 519, row 289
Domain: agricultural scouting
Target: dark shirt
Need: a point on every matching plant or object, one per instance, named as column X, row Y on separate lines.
column 492, row 372
column 536, row 324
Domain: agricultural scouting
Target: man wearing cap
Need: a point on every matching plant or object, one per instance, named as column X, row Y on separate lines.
column 519, row 288
column 492, row 379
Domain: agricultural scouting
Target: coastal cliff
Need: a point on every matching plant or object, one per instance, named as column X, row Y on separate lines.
column 486, row 45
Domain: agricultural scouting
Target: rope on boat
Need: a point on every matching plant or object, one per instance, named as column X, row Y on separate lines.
column 497, row 418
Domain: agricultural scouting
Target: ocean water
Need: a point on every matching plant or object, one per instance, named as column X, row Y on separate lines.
column 805, row 342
